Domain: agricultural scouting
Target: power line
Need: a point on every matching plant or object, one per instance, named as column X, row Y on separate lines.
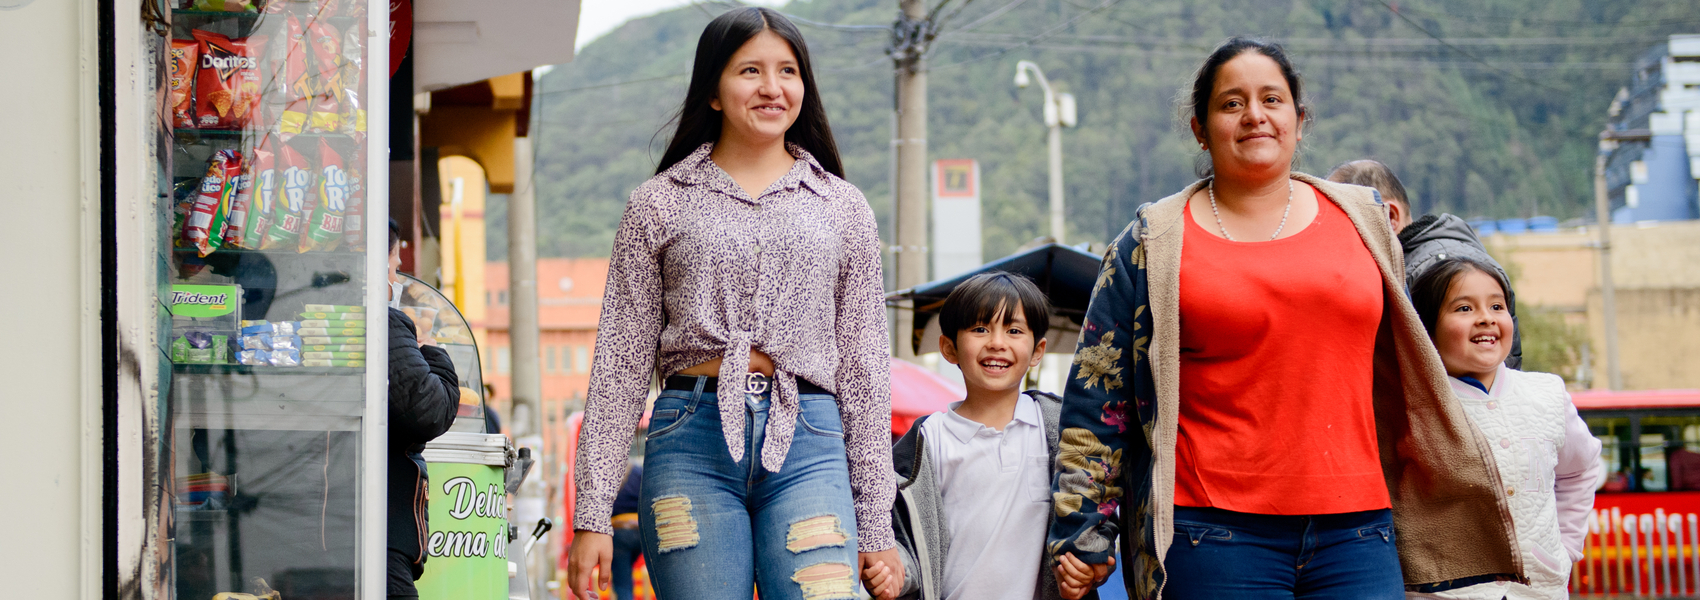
column 1032, row 40
column 1443, row 42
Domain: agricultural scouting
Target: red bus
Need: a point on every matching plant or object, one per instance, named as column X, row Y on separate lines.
column 1644, row 534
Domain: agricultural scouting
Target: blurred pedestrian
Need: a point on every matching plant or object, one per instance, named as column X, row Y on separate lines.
column 746, row 274
column 1253, row 394
column 628, row 541
column 1552, row 462
column 424, row 395
column 1430, row 239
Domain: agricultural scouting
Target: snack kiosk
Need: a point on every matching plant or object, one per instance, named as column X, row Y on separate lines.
column 271, row 265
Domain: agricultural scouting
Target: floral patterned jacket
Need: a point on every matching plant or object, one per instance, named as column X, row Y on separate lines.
column 1116, row 465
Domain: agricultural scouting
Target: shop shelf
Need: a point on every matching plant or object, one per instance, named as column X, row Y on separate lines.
column 267, row 398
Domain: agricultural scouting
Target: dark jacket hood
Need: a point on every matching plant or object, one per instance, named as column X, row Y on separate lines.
column 1437, row 227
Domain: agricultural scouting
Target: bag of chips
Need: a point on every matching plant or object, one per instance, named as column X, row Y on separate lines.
column 329, row 88
column 224, row 5
column 296, row 81
column 241, row 201
column 262, row 179
column 324, row 231
column 289, row 217
column 204, row 228
column 181, row 79
column 354, row 80
column 227, row 84
column 354, row 221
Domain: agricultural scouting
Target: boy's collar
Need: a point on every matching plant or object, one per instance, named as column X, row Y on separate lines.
column 964, row 428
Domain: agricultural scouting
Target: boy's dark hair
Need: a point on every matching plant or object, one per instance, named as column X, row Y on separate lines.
column 979, row 300
column 1428, row 294
column 395, row 233
column 1374, row 174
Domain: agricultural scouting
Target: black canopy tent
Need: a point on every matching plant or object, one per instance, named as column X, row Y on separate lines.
column 1065, row 274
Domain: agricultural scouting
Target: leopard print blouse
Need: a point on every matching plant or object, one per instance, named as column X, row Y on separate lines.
column 700, row 270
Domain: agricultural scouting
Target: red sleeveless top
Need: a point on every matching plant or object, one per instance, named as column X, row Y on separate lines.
column 1276, row 364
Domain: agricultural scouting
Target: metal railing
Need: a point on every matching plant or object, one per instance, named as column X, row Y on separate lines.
column 1639, row 556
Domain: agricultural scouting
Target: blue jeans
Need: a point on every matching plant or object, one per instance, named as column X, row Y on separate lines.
column 718, row 529
column 1224, row 554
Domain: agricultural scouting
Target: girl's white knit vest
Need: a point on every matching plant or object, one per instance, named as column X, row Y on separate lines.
column 1523, row 420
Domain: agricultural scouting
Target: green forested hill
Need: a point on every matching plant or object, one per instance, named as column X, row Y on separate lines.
column 1497, row 120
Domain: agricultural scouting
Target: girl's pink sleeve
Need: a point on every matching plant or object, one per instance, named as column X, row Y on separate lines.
column 1578, row 474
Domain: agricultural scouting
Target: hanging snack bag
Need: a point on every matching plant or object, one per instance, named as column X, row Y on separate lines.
column 262, row 178
column 329, row 74
column 204, row 228
column 354, row 80
column 354, row 222
column 236, row 221
column 324, row 231
column 181, row 79
column 296, row 83
column 227, row 82
column 289, row 218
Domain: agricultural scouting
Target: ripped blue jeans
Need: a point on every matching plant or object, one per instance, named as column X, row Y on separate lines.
column 717, row 529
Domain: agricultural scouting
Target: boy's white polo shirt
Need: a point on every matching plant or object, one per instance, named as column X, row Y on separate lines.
column 996, row 489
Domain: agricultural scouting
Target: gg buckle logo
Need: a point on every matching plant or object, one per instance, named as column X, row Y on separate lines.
column 755, row 383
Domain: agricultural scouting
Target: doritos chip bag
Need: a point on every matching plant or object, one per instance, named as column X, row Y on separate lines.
column 324, row 231
column 296, row 180
column 227, row 86
column 204, row 228
column 181, row 79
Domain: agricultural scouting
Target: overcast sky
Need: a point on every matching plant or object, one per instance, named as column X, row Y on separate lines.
column 597, row 17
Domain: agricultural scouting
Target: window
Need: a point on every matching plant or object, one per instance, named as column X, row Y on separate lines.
column 1661, row 450
column 550, row 352
column 503, row 357
column 581, row 358
column 502, row 297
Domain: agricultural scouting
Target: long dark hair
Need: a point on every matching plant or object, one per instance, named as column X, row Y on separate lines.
column 699, row 123
column 1204, row 85
column 1428, row 294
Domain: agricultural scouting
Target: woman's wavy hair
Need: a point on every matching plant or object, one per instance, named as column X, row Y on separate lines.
column 1196, row 104
column 699, row 123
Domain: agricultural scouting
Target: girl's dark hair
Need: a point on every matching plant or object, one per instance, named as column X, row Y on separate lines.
column 395, row 233
column 978, row 300
column 1428, row 294
column 699, row 123
column 1204, row 86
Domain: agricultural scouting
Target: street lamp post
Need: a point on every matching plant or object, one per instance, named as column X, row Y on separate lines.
column 1059, row 113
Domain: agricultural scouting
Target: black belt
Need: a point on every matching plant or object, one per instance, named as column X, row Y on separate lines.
column 688, row 383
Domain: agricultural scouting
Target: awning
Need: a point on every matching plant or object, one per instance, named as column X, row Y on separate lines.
column 1065, row 274
column 917, row 392
column 459, row 42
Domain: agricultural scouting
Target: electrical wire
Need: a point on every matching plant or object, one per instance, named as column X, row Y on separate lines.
column 1043, row 35
column 1413, row 23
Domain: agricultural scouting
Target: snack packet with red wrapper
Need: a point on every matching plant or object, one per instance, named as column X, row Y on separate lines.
column 227, row 86
column 328, row 89
column 324, row 231
column 181, row 78
column 354, row 77
column 236, row 222
column 204, row 227
column 295, row 181
column 294, row 79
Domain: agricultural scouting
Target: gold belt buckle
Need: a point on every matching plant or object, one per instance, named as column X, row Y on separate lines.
column 755, row 383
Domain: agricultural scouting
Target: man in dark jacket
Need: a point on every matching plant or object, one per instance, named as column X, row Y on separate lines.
column 424, row 396
column 1429, row 239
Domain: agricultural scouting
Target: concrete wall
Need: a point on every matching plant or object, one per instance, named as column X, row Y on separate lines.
column 49, row 186
column 1656, row 268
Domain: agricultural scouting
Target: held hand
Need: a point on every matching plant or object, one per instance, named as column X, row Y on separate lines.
column 882, row 573
column 1075, row 578
column 590, row 551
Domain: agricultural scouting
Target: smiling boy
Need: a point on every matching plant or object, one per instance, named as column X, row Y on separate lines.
column 974, row 491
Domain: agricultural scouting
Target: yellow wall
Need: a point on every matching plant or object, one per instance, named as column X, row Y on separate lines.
column 1656, row 271
column 462, row 234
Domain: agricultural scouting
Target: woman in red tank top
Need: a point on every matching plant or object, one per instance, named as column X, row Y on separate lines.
column 1224, row 399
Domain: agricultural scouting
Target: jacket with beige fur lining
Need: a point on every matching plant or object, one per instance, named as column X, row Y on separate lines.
column 1122, row 402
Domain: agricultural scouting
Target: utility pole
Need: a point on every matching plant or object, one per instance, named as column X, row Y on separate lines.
column 525, row 418
column 1059, row 113
column 910, row 36
column 1602, row 212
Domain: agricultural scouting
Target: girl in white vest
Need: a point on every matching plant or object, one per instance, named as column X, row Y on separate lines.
column 1548, row 461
